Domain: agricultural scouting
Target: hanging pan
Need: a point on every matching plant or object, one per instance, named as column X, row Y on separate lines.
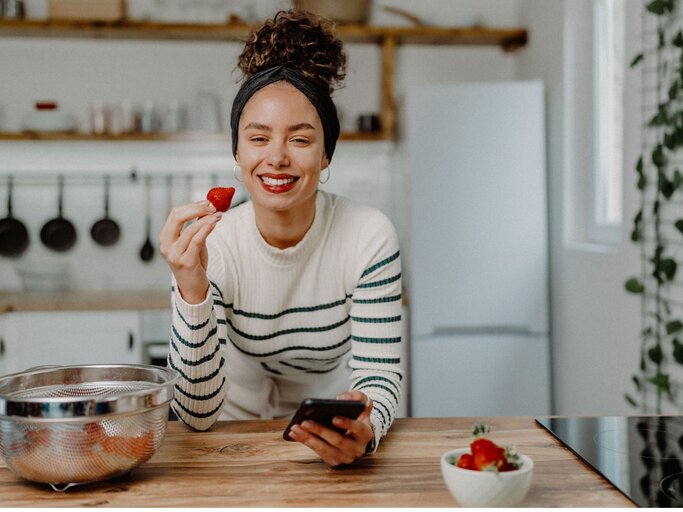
column 59, row 234
column 106, row 231
column 147, row 249
column 13, row 233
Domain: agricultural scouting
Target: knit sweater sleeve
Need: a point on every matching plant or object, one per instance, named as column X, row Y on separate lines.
column 196, row 351
column 376, row 325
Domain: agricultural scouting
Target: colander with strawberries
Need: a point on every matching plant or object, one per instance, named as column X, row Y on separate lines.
column 69, row 425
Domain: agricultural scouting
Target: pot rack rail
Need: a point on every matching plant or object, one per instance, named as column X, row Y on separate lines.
column 130, row 177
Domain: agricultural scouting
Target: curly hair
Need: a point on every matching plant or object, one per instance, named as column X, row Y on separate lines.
column 297, row 39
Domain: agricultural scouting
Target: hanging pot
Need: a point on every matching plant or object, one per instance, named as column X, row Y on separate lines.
column 59, row 234
column 147, row 249
column 13, row 233
column 106, row 231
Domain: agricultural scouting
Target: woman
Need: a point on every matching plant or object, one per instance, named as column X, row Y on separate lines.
column 297, row 293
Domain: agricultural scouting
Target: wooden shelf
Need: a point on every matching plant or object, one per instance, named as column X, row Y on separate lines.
column 142, row 137
column 388, row 38
column 509, row 39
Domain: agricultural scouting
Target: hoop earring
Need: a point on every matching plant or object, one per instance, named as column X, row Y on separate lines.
column 322, row 182
column 234, row 172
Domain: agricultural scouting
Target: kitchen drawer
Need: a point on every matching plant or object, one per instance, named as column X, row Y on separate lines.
column 64, row 338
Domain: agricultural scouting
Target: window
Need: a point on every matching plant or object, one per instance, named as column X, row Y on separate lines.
column 608, row 85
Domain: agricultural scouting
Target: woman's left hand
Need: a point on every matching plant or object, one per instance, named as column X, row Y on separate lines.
column 335, row 448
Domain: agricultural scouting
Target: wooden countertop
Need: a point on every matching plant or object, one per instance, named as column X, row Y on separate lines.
column 90, row 300
column 85, row 300
column 247, row 464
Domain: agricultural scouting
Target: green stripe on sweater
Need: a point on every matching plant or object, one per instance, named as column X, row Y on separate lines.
column 198, row 380
column 380, row 300
column 376, row 340
column 190, row 344
column 383, row 360
column 380, row 378
column 293, row 330
column 201, row 397
column 380, row 320
column 381, row 386
column 296, row 347
column 199, row 414
column 386, row 261
column 382, row 282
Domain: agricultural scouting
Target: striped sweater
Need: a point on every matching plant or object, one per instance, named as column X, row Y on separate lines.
column 280, row 325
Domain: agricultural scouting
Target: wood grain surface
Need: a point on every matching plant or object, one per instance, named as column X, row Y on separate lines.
column 247, row 464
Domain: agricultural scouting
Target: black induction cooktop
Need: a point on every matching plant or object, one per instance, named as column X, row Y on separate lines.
column 642, row 456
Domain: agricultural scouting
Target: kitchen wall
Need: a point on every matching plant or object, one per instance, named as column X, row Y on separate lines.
column 77, row 72
column 595, row 323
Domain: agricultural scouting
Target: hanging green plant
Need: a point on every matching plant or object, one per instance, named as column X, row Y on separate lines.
column 662, row 328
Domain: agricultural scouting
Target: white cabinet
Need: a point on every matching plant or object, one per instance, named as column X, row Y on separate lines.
column 64, row 338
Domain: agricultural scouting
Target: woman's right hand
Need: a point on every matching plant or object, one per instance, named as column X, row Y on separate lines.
column 185, row 249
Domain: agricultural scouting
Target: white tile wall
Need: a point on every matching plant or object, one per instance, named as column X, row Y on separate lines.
column 363, row 171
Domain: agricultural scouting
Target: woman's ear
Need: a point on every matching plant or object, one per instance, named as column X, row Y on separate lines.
column 325, row 163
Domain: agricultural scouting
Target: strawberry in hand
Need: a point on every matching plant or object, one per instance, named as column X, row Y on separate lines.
column 221, row 197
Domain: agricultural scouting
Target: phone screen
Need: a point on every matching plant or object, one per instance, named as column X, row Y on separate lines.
column 322, row 411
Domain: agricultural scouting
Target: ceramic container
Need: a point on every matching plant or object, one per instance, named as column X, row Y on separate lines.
column 486, row 488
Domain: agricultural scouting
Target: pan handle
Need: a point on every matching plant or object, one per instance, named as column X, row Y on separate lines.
column 10, row 184
column 60, row 194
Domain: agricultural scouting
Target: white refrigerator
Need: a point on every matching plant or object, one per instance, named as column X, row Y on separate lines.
column 478, row 260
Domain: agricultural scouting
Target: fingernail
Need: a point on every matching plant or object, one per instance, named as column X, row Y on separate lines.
column 217, row 216
column 336, row 420
column 209, row 206
column 306, row 424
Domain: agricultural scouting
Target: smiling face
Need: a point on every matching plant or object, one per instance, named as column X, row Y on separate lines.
column 281, row 149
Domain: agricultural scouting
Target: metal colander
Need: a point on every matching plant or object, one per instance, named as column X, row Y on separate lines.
column 70, row 425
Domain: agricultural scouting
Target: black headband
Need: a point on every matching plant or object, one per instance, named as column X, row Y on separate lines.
column 316, row 94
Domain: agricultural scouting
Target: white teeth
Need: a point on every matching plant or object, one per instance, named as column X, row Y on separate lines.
column 276, row 183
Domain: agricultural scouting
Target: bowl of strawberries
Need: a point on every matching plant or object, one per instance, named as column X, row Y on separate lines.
column 485, row 474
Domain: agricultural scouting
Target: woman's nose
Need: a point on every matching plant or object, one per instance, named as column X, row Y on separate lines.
column 278, row 157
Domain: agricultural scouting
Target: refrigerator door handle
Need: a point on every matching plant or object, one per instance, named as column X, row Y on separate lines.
column 445, row 330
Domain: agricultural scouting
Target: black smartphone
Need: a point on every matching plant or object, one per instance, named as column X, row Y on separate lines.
column 322, row 411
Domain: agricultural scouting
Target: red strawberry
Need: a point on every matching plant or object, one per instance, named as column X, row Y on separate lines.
column 481, row 443
column 465, row 461
column 489, row 459
column 221, row 197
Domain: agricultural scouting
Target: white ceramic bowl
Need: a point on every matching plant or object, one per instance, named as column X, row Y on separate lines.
column 486, row 488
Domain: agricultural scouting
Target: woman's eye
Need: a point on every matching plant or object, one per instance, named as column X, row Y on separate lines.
column 300, row 140
column 258, row 139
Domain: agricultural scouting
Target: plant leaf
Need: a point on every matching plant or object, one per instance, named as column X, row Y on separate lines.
column 679, row 225
column 655, row 354
column 668, row 266
column 658, row 156
column 642, row 180
column 666, row 187
column 636, row 60
column 673, row 326
column 656, row 7
column 678, row 40
column 636, row 381
column 678, row 351
column 661, row 381
column 678, row 179
column 633, row 285
column 630, row 400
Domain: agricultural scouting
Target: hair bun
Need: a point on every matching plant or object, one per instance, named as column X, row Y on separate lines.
column 300, row 40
